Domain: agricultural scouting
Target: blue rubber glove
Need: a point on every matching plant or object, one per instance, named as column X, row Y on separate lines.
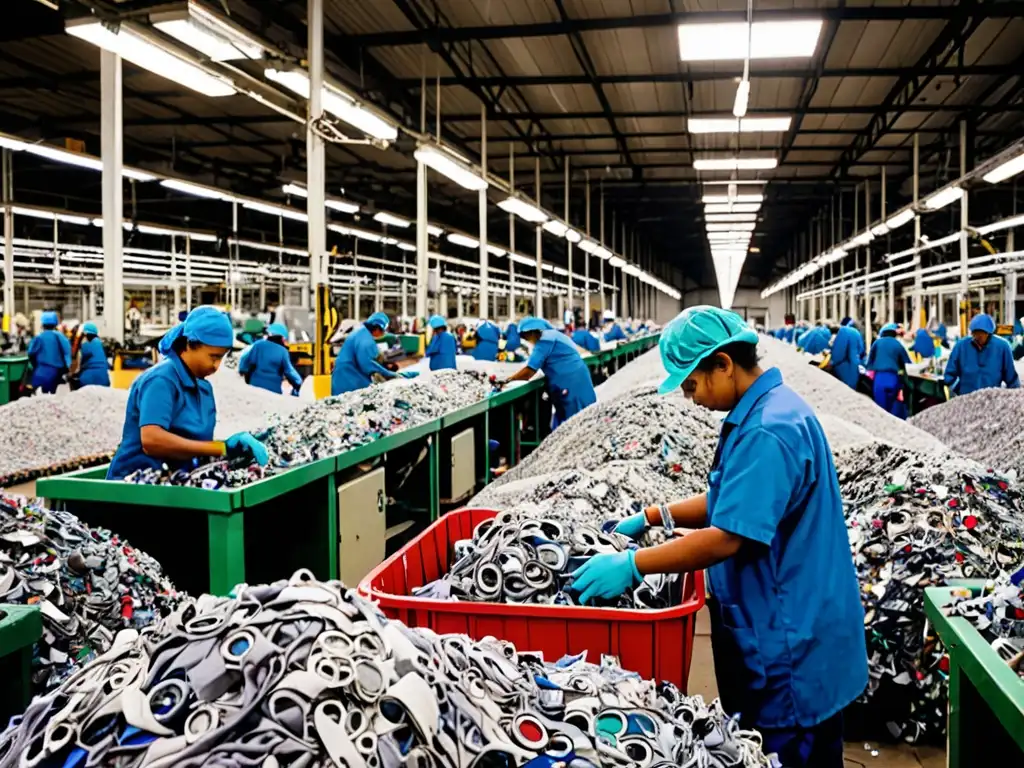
column 606, row 575
column 244, row 444
column 295, row 392
column 409, row 374
column 633, row 526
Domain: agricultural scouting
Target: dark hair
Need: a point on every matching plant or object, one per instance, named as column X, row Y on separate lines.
column 90, row 336
column 891, row 333
column 179, row 344
column 742, row 353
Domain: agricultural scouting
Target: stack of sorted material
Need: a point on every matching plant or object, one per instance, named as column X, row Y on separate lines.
column 516, row 558
column 304, row 673
column 987, row 426
column 917, row 520
column 88, row 583
column 998, row 615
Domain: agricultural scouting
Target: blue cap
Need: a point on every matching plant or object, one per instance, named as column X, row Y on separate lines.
column 889, row 327
column 436, row 322
column 694, row 334
column 90, row 328
column 379, row 319
column 531, row 323
column 206, row 324
column 277, row 329
column 50, row 318
column 984, row 323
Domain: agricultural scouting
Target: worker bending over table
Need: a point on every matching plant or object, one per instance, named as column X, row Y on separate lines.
column 171, row 412
column 357, row 361
column 981, row 360
column 487, row 337
column 441, row 350
column 92, row 367
column 787, row 621
column 50, row 355
column 847, row 353
column 267, row 362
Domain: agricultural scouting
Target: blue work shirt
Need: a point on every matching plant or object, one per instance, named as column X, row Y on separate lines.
column 816, row 340
column 615, row 333
column 441, row 351
column 568, row 378
column 924, row 345
column 780, row 333
column 168, row 396
column 788, row 333
column 266, row 363
column 487, row 337
column 356, row 363
column 788, row 625
column 888, row 354
column 585, row 339
column 980, row 368
column 92, row 364
column 51, row 349
column 512, row 342
column 847, row 351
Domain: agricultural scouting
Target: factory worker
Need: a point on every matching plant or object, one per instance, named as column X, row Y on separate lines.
column 612, row 330
column 487, row 337
column 512, row 342
column 816, row 340
column 847, row 352
column 584, row 339
column 787, row 620
column 92, row 360
column 171, row 412
column 568, row 378
column 267, row 363
column 980, row 361
column 441, row 350
column 50, row 355
column 924, row 344
column 357, row 361
column 888, row 358
column 942, row 334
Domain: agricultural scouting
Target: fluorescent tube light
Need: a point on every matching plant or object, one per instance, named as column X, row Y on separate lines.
column 615, row 261
column 739, row 106
column 901, row 218
column 737, row 227
column 736, row 164
column 1005, row 170
column 450, row 165
column 70, row 158
column 211, row 35
column 589, row 246
column 880, row 229
column 131, row 44
column 995, row 226
column 732, row 125
column 556, row 227
column 334, row 203
column 727, row 235
column 724, row 41
column 720, row 199
column 391, row 220
column 464, row 240
column 943, row 198
column 732, row 182
column 732, row 208
column 434, row 231
column 522, row 209
column 572, row 235
column 603, row 253
column 275, row 210
column 730, row 217
column 196, row 190
column 407, row 247
column 149, row 229
column 863, row 238
column 338, row 103
column 66, row 218
column 495, row 250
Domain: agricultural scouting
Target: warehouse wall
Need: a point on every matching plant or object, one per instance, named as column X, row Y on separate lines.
column 748, row 303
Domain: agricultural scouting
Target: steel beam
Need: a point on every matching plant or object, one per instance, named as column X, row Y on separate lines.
column 112, row 139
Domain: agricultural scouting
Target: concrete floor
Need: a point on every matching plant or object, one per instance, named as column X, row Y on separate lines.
column 702, row 681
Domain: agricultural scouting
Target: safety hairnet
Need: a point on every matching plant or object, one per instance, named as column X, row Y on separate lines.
column 277, row 329
column 694, row 334
column 436, row 322
column 50, row 318
column 984, row 323
column 90, row 328
column 205, row 324
column 889, row 327
column 378, row 319
column 530, row 323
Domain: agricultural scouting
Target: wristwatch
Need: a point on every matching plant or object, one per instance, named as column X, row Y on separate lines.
column 666, row 518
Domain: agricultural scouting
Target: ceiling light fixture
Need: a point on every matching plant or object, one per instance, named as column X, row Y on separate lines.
column 334, row 203
column 736, row 164
column 727, row 41
column 434, row 231
column 340, row 104
column 524, row 210
column 712, row 226
column 391, row 220
column 275, row 210
column 196, row 190
column 737, row 208
column 730, row 217
column 464, row 240
column 66, row 218
column 70, row 158
column 739, row 106
column 406, row 247
column 943, row 198
column 450, row 165
column 556, row 227
column 880, row 229
column 901, row 218
column 615, row 261
column 208, row 33
column 718, row 199
column 732, row 125
column 1005, row 170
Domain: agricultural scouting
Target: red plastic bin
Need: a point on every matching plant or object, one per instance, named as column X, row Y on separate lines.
column 657, row 644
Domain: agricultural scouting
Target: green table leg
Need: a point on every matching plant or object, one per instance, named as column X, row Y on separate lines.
column 435, row 479
column 513, row 430
column 333, row 535
column 487, row 448
column 227, row 551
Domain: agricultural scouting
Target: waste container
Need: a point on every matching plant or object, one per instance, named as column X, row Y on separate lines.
column 20, row 627
column 12, row 371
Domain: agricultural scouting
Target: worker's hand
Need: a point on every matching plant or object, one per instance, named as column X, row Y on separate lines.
column 295, row 391
column 409, row 374
column 633, row 526
column 606, row 575
column 244, row 444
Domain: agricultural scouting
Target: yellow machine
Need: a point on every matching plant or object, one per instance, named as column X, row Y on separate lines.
column 122, row 377
column 327, row 322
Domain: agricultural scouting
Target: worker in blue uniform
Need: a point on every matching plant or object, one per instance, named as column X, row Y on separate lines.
column 787, row 620
column 487, row 337
column 846, row 356
column 441, row 350
column 942, row 334
column 512, row 342
column 92, row 360
column 171, row 412
column 816, row 340
column 924, row 344
column 981, row 360
column 267, row 362
column 584, row 339
column 888, row 359
column 357, row 362
column 50, row 355
column 568, row 378
column 612, row 330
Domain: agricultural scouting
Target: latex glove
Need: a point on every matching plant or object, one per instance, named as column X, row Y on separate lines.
column 607, row 575
column 244, row 444
column 633, row 526
column 295, row 391
column 409, row 374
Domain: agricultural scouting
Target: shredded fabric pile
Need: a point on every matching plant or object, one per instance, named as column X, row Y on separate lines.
column 242, row 407
column 88, row 583
column 998, row 615
column 987, row 426
column 917, row 520
column 301, row 673
column 516, row 558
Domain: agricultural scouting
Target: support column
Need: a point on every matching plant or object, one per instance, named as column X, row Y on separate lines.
column 422, row 265
column 316, row 161
column 568, row 245
column 5, row 183
column 605, row 304
column 111, row 143
column 586, row 261
column 175, row 286
column 459, row 307
column 918, row 303
column 538, row 302
column 482, row 198
column 964, row 289
column 357, row 283
column 188, row 274
column 867, row 263
column 511, row 235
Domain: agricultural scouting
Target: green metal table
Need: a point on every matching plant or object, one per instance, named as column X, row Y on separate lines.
column 919, row 386
column 20, row 627
column 986, row 697
column 12, row 371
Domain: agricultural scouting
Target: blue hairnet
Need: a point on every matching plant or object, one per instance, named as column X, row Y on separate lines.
column 889, row 327
column 50, row 318
column 378, row 319
column 277, row 329
column 436, row 322
column 694, row 334
column 530, row 323
column 984, row 323
column 206, row 324
column 90, row 328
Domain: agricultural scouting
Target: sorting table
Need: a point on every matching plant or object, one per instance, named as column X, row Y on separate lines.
column 12, row 371
column 922, row 385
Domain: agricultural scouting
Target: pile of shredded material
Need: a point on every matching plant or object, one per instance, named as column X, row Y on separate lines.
column 242, row 408
column 303, row 673
column 987, row 426
column 917, row 520
column 88, row 583
column 998, row 615
column 645, row 371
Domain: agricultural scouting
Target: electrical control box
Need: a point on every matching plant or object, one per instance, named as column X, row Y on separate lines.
column 463, row 470
column 362, row 526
